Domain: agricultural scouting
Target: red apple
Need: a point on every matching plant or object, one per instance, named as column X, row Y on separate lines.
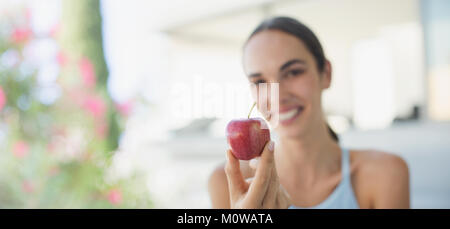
column 247, row 137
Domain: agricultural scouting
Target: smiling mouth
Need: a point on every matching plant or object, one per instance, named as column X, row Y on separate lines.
column 290, row 115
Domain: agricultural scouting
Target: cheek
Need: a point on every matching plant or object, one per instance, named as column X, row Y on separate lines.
column 303, row 87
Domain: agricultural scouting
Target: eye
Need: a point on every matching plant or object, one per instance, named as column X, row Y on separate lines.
column 256, row 82
column 295, row 72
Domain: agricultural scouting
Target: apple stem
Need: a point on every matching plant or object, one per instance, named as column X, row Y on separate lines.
column 249, row 113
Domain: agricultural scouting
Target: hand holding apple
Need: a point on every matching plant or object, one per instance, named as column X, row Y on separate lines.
column 250, row 138
column 263, row 190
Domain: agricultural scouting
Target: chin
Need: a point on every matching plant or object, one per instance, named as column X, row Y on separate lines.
column 294, row 129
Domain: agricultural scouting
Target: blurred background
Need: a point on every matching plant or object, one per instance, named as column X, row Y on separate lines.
column 113, row 104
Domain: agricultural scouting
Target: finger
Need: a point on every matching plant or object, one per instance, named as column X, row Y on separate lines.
column 258, row 187
column 236, row 182
column 254, row 163
column 272, row 191
column 283, row 198
column 249, row 180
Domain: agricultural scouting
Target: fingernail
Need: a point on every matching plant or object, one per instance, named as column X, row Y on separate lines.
column 271, row 146
column 253, row 162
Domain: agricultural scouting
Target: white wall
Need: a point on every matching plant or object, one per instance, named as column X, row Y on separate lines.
column 340, row 25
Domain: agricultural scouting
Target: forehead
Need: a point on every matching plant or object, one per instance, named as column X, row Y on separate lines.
column 270, row 49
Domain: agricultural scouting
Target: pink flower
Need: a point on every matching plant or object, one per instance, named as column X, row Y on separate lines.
column 20, row 149
column 125, row 108
column 51, row 146
column 77, row 95
column 87, row 72
column 100, row 129
column 28, row 15
column 2, row 98
column 95, row 105
column 27, row 186
column 61, row 58
column 20, row 35
column 115, row 196
column 55, row 29
column 53, row 171
column 59, row 131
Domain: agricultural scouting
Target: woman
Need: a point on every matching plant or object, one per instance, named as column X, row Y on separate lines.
column 307, row 168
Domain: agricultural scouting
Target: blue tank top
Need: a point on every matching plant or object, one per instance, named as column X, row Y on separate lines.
column 342, row 196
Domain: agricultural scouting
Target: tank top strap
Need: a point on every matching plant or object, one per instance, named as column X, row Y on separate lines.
column 343, row 196
column 345, row 162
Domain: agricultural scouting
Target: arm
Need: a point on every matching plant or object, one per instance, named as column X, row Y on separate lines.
column 218, row 188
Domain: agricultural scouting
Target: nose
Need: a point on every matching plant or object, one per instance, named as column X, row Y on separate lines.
column 271, row 92
column 271, row 96
column 283, row 94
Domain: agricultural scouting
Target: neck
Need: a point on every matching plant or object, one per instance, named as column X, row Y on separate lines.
column 308, row 155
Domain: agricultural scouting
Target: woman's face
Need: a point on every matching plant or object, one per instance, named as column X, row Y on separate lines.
column 272, row 56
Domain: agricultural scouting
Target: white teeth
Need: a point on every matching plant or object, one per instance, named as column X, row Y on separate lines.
column 288, row 115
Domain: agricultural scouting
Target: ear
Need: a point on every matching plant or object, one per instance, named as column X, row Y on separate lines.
column 326, row 75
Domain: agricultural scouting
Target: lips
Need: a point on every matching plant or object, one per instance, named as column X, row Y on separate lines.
column 287, row 116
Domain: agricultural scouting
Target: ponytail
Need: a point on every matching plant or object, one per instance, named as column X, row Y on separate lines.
column 332, row 133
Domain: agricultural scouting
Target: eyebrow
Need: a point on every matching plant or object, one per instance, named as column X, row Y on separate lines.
column 283, row 67
column 291, row 62
column 254, row 75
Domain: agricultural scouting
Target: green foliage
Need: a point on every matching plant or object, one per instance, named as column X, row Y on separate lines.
column 59, row 154
column 81, row 36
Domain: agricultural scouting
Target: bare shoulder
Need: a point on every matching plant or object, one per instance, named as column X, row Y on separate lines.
column 381, row 177
column 218, row 184
column 374, row 161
